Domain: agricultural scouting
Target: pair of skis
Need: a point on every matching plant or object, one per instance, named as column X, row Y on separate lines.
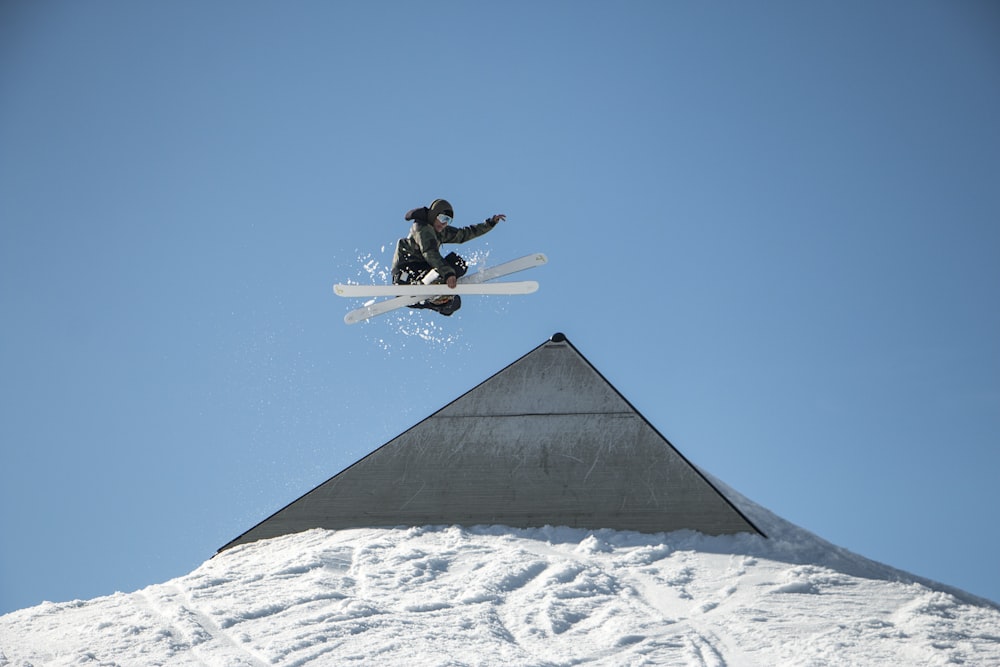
column 408, row 295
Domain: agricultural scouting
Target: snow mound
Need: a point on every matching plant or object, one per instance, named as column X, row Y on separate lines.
column 445, row 595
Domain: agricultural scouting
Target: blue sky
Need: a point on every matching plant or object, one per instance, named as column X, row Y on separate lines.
column 773, row 226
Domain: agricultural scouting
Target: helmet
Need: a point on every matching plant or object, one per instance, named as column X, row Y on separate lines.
column 439, row 206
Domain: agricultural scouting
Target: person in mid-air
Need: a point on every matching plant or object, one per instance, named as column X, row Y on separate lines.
column 420, row 252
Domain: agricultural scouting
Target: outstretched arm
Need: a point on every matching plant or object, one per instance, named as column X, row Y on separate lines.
column 463, row 234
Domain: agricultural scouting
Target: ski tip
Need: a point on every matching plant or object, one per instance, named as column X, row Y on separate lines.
column 541, row 258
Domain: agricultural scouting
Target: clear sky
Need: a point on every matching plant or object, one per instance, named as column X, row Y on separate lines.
column 773, row 226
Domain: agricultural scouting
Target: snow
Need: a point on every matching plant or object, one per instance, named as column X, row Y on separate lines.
column 410, row 323
column 493, row 595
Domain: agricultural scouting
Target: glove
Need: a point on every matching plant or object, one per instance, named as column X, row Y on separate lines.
column 417, row 214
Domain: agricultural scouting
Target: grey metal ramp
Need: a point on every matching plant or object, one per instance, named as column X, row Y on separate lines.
column 546, row 441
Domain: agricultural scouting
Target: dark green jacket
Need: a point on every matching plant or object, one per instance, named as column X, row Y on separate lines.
column 424, row 244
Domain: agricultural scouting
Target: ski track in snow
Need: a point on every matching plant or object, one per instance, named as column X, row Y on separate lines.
column 442, row 595
column 501, row 596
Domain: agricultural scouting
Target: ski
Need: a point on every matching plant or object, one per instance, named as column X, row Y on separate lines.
column 489, row 273
column 380, row 308
column 505, row 269
column 519, row 287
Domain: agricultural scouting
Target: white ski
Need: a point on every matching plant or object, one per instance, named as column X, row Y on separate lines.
column 489, row 273
column 518, row 287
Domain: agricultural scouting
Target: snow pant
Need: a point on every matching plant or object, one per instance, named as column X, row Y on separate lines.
column 408, row 273
column 413, row 272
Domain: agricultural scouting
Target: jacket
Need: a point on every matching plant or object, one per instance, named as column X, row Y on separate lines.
column 423, row 244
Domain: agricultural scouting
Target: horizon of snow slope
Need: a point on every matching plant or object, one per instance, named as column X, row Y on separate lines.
column 493, row 595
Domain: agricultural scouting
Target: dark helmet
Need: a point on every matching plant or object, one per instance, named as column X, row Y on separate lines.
column 439, row 206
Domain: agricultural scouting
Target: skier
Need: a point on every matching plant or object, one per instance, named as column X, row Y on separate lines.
column 419, row 253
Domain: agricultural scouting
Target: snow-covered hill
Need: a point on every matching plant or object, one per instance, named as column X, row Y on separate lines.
column 499, row 596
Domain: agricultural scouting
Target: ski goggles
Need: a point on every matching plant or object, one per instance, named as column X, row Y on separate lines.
column 444, row 219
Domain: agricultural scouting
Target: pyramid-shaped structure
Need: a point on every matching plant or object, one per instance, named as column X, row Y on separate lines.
column 546, row 441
